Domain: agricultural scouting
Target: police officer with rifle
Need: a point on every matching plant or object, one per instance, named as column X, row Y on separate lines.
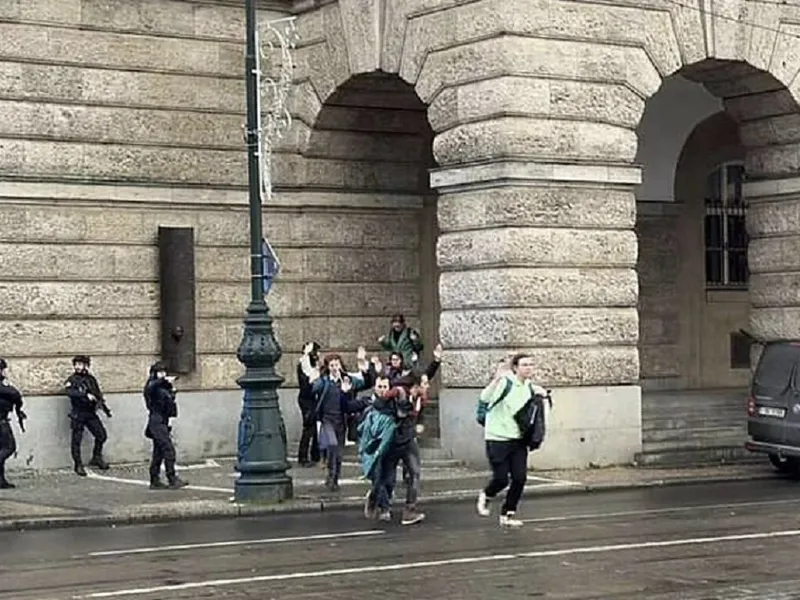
column 159, row 397
column 10, row 399
column 85, row 398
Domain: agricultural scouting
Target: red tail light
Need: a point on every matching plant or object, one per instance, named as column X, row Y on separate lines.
column 751, row 406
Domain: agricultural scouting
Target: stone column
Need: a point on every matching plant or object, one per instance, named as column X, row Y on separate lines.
column 540, row 256
column 773, row 222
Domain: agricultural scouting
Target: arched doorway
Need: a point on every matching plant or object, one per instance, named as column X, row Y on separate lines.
column 368, row 158
column 695, row 296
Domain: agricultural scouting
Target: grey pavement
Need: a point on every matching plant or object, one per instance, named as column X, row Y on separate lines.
column 711, row 541
column 121, row 495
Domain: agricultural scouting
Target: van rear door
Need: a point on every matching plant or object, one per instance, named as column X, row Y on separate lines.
column 775, row 391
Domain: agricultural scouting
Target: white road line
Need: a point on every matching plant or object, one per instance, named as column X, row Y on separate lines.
column 199, row 488
column 209, row 463
column 228, row 544
column 297, row 575
column 659, row 511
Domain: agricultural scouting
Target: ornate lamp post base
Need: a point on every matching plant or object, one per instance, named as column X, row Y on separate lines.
column 261, row 459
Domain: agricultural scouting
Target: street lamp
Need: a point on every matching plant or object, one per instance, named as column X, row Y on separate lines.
column 261, row 456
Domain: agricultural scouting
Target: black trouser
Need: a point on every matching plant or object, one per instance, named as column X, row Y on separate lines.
column 8, row 446
column 308, row 439
column 95, row 426
column 409, row 455
column 507, row 458
column 163, row 448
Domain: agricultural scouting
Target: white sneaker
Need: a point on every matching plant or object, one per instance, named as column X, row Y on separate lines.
column 508, row 520
column 483, row 505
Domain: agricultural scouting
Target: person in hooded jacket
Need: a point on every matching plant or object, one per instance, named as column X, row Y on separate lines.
column 159, row 398
column 404, row 340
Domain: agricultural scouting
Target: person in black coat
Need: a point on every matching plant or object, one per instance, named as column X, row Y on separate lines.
column 10, row 399
column 305, row 400
column 159, row 397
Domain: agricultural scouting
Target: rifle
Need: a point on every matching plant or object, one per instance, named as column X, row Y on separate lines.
column 21, row 416
column 101, row 403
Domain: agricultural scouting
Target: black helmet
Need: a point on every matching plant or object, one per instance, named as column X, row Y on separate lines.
column 3, row 364
column 156, row 367
column 82, row 358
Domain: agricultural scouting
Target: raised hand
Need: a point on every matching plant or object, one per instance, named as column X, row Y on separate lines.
column 362, row 354
column 375, row 360
column 380, row 339
column 502, row 368
column 437, row 352
column 347, row 385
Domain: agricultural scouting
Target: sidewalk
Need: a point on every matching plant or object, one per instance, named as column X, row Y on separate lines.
column 121, row 495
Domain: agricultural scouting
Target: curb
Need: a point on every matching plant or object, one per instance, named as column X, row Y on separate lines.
column 223, row 510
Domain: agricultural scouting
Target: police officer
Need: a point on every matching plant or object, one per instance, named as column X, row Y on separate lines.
column 10, row 399
column 85, row 398
column 159, row 397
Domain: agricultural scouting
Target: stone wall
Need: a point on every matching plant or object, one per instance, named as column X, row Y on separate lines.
column 659, row 294
column 123, row 115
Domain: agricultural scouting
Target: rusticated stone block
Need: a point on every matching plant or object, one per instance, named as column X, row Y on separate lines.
column 298, row 299
column 783, row 129
column 515, row 136
column 538, row 205
column 772, row 160
column 119, row 125
column 782, row 323
column 368, row 146
column 537, row 57
column 774, row 254
column 133, row 88
column 520, row 95
column 531, row 287
column 537, row 247
column 95, row 336
column 540, row 327
column 779, row 216
column 78, row 299
column 759, row 106
column 68, row 262
column 601, row 23
column 554, row 366
column 120, row 373
column 775, row 289
column 148, row 53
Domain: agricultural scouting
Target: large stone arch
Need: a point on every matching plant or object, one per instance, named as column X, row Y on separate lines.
column 535, row 107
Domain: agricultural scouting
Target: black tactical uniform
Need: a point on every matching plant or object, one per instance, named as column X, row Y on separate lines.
column 85, row 398
column 10, row 399
column 159, row 397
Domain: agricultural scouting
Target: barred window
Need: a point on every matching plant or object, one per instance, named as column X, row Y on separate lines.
column 725, row 229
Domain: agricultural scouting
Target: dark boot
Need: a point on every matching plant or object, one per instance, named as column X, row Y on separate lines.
column 80, row 470
column 176, row 483
column 157, row 484
column 98, row 462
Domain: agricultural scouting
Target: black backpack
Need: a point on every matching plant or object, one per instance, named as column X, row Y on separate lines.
column 530, row 420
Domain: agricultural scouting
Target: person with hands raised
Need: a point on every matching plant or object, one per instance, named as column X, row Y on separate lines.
column 333, row 391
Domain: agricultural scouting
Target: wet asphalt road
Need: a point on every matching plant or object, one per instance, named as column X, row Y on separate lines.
column 724, row 541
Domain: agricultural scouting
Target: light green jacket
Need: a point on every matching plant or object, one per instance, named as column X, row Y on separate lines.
column 500, row 424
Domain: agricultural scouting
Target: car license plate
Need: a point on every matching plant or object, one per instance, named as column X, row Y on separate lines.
column 769, row 411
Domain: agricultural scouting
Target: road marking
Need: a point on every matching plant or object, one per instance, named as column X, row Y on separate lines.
column 209, row 463
column 228, row 544
column 198, row 488
column 658, row 511
column 438, row 563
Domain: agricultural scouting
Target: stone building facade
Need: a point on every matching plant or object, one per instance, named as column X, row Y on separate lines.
column 474, row 165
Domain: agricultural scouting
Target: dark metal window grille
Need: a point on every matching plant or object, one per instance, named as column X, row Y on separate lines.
column 725, row 229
